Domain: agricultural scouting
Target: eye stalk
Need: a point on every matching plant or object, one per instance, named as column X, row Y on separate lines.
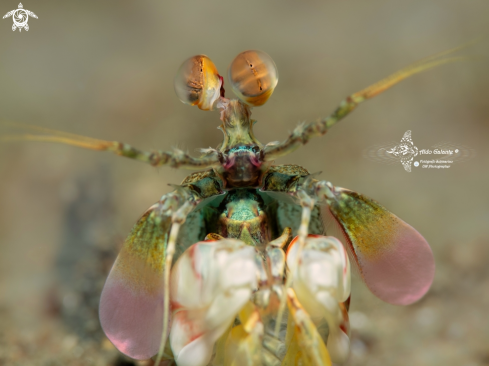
column 253, row 76
column 198, row 83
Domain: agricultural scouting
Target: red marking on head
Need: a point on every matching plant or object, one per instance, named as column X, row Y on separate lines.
column 229, row 163
column 255, row 161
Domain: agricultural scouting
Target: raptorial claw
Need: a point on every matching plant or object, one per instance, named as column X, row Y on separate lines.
column 321, row 282
column 210, row 284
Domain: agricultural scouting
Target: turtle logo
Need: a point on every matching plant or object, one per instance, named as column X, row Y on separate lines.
column 20, row 17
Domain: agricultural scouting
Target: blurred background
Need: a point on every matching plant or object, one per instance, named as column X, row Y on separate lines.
column 105, row 69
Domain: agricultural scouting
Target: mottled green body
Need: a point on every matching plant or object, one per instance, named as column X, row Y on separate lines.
column 254, row 215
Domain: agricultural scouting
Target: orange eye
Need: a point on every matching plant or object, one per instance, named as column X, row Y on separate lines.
column 253, row 76
column 198, row 83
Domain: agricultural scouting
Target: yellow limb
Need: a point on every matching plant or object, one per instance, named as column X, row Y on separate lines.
column 306, row 344
column 244, row 343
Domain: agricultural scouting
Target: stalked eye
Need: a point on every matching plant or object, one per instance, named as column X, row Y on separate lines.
column 198, row 83
column 253, row 76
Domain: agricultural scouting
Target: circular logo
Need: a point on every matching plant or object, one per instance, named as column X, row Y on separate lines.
column 416, row 163
column 20, row 17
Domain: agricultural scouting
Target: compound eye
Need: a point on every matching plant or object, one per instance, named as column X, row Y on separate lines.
column 253, row 76
column 198, row 83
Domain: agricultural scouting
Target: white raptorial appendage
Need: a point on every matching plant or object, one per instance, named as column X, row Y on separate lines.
column 210, row 283
column 321, row 282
